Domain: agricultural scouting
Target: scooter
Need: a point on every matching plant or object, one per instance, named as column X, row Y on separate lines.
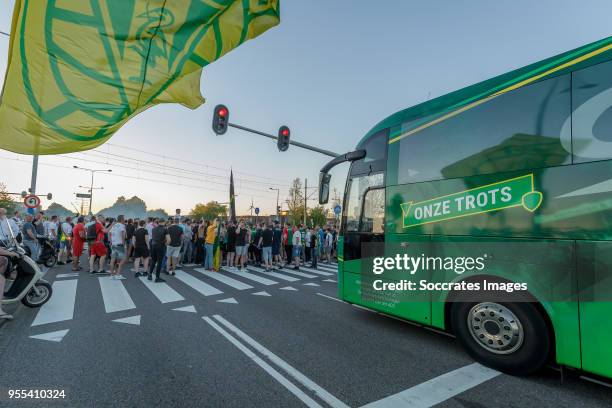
column 28, row 285
column 48, row 253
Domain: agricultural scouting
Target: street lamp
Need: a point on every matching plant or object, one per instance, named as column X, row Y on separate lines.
column 92, row 171
column 277, row 194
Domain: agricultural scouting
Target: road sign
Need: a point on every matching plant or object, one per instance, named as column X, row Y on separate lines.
column 337, row 209
column 31, row 201
column 83, row 195
column 178, row 211
column 256, row 210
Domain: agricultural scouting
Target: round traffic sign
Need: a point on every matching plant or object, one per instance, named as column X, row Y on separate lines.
column 31, row 201
column 337, row 209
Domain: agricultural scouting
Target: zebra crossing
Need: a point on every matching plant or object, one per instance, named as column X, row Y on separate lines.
column 115, row 294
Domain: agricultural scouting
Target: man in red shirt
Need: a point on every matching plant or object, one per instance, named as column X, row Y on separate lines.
column 78, row 241
column 98, row 249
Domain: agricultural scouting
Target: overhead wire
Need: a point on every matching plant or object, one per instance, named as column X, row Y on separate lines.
column 134, row 177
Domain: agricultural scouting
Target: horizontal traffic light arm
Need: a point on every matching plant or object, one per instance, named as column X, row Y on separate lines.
column 292, row 142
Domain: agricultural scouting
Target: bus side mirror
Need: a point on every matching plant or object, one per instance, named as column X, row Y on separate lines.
column 324, row 180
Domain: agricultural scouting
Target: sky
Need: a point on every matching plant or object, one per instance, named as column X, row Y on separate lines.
column 330, row 71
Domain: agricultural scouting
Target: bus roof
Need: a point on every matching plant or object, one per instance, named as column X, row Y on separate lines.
column 436, row 110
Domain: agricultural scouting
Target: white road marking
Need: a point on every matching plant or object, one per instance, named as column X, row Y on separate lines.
column 196, row 284
column 55, row 336
column 288, row 288
column 162, row 291
column 438, row 389
column 115, row 296
column 267, row 367
column 311, row 284
column 298, row 273
column 228, row 300
column 61, row 305
column 318, row 272
column 293, row 372
column 252, row 276
column 328, row 268
column 263, row 293
column 331, row 297
column 330, row 280
column 190, row 309
column 129, row 320
column 275, row 274
column 67, row 275
column 236, row 284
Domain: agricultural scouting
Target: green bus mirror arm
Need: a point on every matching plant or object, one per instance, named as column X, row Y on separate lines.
column 324, row 177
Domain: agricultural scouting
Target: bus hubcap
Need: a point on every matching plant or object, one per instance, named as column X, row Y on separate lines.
column 495, row 328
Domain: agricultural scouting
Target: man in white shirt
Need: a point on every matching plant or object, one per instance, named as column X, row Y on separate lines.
column 66, row 242
column 117, row 236
column 150, row 225
column 328, row 245
column 297, row 248
column 8, row 227
column 51, row 229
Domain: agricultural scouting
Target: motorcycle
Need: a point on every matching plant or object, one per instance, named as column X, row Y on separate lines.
column 24, row 281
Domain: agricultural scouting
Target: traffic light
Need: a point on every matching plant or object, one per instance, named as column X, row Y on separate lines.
column 220, row 119
column 278, row 209
column 284, row 134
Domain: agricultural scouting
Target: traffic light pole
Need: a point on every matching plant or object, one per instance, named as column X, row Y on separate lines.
column 292, row 142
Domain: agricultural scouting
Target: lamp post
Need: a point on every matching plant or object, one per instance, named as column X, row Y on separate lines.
column 277, row 195
column 92, row 171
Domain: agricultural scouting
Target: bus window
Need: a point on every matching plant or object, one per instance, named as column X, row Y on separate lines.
column 372, row 218
column 591, row 121
column 354, row 204
column 515, row 131
column 376, row 155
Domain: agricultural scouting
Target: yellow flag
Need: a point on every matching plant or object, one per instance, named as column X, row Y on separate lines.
column 78, row 70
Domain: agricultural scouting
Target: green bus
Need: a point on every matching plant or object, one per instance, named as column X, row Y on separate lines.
column 516, row 171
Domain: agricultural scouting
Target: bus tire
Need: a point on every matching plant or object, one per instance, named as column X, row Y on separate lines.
column 509, row 337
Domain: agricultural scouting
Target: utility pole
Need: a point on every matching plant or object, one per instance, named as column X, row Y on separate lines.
column 305, row 199
column 277, row 196
column 34, row 174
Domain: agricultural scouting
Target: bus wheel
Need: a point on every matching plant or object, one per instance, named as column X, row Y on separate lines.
column 510, row 337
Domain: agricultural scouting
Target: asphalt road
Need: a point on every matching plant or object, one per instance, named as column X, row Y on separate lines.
column 235, row 346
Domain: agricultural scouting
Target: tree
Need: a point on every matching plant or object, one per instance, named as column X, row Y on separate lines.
column 6, row 201
column 318, row 215
column 208, row 211
column 295, row 202
column 59, row 210
column 158, row 213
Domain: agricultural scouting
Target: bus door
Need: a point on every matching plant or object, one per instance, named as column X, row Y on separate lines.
column 362, row 230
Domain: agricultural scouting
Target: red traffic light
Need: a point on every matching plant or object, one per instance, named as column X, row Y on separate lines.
column 220, row 119
column 284, row 134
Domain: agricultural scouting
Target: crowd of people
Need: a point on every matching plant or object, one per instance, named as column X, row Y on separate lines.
column 158, row 246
